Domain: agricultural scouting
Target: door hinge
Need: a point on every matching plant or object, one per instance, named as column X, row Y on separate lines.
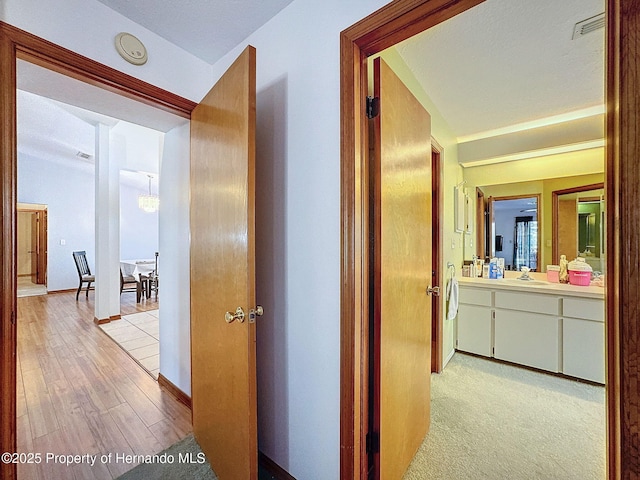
column 373, row 442
column 373, row 107
column 13, row 317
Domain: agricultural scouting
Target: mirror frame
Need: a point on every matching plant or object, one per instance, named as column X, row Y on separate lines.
column 554, row 214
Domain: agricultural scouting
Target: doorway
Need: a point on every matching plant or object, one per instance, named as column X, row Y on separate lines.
column 19, row 45
column 387, row 27
column 32, row 249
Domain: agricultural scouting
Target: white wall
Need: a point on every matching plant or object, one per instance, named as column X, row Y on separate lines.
column 88, row 27
column 298, row 231
column 68, row 194
column 68, row 191
column 175, row 353
column 138, row 229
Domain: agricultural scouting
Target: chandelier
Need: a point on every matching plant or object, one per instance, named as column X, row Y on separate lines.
column 149, row 203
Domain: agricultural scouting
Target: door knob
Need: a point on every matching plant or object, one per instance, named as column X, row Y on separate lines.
column 238, row 315
column 433, row 291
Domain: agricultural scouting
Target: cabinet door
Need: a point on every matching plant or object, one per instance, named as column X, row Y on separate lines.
column 475, row 329
column 583, row 349
column 527, row 338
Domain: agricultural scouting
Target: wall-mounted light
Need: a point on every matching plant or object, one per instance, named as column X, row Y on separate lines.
column 149, row 203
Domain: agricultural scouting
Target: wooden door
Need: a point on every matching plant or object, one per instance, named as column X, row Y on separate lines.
column 481, row 223
column 402, row 272
column 567, row 229
column 33, row 247
column 223, row 355
column 43, row 243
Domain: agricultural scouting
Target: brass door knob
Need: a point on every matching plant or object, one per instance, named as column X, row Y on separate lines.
column 238, row 315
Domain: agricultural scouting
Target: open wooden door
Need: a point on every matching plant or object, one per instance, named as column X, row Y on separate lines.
column 481, row 224
column 33, row 247
column 402, row 273
column 223, row 348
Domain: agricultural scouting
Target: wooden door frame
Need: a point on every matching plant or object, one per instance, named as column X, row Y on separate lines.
column 555, row 257
column 41, row 256
column 396, row 22
column 437, row 175
column 17, row 44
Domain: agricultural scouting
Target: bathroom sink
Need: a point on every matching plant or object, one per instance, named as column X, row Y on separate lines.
column 516, row 281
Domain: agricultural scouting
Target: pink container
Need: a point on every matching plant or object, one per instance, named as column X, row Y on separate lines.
column 553, row 273
column 579, row 278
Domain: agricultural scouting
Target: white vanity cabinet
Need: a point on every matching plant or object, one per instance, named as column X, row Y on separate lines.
column 557, row 328
column 475, row 321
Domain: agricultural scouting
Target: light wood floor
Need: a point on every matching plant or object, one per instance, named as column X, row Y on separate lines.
column 79, row 393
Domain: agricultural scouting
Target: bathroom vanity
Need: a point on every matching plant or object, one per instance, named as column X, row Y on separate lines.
column 550, row 326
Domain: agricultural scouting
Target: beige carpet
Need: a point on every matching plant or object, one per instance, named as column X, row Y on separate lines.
column 495, row 421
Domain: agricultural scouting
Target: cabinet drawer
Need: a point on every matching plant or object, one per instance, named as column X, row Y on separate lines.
column 587, row 308
column 475, row 296
column 528, row 302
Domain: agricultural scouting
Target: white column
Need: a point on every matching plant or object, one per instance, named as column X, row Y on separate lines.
column 107, row 224
column 175, row 342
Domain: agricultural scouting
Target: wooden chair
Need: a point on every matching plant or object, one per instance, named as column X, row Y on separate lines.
column 153, row 280
column 84, row 272
column 128, row 283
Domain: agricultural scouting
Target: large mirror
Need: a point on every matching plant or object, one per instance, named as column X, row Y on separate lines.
column 578, row 224
column 513, row 233
column 536, row 204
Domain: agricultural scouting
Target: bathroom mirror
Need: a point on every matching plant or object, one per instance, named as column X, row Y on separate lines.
column 578, row 224
column 514, row 233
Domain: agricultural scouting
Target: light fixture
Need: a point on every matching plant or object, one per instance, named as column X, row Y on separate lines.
column 149, row 203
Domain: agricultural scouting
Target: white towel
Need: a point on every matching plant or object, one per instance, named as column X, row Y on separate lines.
column 452, row 295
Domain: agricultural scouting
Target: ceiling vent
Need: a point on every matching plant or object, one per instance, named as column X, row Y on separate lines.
column 587, row 26
column 83, row 155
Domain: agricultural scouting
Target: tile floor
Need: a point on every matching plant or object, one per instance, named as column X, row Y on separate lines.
column 137, row 334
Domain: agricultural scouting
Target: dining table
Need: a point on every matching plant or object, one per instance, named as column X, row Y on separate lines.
column 137, row 267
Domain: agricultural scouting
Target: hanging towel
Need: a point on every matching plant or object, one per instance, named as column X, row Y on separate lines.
column 452, row 295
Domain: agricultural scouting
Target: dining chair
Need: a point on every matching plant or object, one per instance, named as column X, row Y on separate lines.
column 84, row 272
column 153, row 280
column 128, row 283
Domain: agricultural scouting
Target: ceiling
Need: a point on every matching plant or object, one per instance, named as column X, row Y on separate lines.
column 506, row 62
column 207, row 28
column 501, row 63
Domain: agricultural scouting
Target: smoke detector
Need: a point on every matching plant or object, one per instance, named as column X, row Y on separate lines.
column 131, row 49
column 587, row 26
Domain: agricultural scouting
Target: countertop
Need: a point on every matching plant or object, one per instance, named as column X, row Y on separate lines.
column 540, row 286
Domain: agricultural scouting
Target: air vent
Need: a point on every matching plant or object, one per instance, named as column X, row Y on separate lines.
column 83, row 155
column 587, row 26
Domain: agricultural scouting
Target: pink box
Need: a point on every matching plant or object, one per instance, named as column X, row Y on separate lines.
column 579, row 278
column 553, row 273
